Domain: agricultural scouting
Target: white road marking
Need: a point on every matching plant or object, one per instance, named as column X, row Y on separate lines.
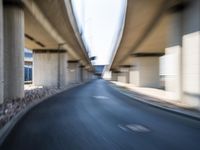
column 100, row 97
column 122, row 127
column 137, row 128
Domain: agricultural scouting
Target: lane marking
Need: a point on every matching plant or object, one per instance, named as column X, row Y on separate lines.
column 100, row 97
column 137, row 128
column 122, row 128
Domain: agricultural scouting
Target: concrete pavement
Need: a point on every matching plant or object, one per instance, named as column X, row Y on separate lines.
column 96, row 117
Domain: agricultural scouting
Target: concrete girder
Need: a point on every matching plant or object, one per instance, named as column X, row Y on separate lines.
column 138, row 26
column 59, row 23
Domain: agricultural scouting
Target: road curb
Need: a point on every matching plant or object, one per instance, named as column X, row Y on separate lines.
column 4, row 132
column 171, row 110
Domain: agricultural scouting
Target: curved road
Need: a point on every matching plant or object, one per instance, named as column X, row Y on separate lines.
column 95, row 116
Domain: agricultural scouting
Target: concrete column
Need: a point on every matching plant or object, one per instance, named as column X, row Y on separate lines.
column 1, row 54
column 183, row 54
column 173, row 56
column 191, row 54
column 50, row 68
column 13, row 51
column 82, row 73
column 134, row 75
column 124, row 74
column 74, row 72
column 114, row 76
column 87, row 74
column 145, row 72
column 90, row 74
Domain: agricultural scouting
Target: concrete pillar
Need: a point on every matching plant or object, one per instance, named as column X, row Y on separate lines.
column 145, row 71
column 173, row 62
column 134, row 75
column 183, row 53
column 90, row 74
column 13, row 51
column 82, row 73
column 114, row 76
column 87, row 74
column 124, row 74
column 74, row 72
column 50, row 68
column 1, row 54
column 191, row 53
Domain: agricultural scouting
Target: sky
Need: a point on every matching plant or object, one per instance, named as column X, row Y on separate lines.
column 99, row 22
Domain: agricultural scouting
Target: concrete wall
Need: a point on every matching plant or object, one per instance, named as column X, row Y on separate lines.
column 45, row 69
column 1, row 54
column 145, row 72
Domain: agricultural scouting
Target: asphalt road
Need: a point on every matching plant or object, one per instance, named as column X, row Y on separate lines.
column 96, row 117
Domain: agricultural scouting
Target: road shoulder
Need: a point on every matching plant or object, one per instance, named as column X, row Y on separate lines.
column 155, row 102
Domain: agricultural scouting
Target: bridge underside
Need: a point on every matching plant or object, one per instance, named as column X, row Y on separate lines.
column 160, row 44
column 49, row 29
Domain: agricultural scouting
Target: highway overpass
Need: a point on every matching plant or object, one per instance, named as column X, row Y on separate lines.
column 98, row 115
column 49, row 29
column 159, row 30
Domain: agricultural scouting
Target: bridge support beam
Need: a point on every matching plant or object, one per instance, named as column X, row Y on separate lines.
column 145, row 71
column 50, row 68
column 74, row 71
column 13, row 51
